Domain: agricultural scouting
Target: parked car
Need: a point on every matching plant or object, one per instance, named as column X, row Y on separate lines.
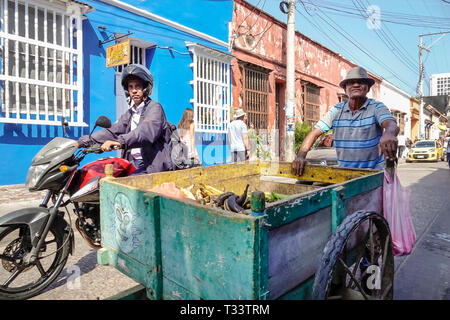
column 426, row 150
column 323, row 152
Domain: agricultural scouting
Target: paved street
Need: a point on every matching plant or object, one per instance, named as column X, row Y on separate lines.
column 95, row 281
column 425, row 274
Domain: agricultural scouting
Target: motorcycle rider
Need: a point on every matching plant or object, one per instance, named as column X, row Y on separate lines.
column 142, row 132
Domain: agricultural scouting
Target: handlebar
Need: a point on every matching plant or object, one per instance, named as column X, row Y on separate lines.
column 97, row 148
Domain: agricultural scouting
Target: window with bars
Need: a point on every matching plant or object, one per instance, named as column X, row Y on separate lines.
column 400, row 118
column 137, row 55
column 212, row 89
column 255, row 82
column 41, row 74
column 311, row 103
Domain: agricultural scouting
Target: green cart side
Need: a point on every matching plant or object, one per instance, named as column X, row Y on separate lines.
column 180, row 249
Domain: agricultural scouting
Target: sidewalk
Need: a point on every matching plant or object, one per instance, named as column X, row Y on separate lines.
column 17, row 193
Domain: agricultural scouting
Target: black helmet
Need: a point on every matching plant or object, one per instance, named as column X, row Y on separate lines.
column 137, row 71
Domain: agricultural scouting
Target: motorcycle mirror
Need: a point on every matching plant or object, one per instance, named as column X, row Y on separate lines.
column 64, row 125
column 103, row 122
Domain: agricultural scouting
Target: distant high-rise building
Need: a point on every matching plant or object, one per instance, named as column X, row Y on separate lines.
column 440, row 84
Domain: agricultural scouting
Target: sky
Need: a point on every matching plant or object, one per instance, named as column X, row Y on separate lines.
column 380, row 35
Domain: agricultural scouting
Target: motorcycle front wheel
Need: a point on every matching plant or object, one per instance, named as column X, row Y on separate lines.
column 20, row 280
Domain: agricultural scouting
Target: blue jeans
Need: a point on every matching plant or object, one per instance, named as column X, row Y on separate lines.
column 448, row 159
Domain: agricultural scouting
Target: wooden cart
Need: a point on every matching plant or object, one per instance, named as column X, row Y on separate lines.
column 327, row 240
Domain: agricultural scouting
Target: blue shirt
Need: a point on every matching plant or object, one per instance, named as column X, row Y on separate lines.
column 356, row 136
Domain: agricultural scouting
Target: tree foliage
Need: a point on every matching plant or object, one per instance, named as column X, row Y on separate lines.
column 301, row 131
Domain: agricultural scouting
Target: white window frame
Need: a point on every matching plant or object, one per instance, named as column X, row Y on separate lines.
column 71, row 31
column 212, row 88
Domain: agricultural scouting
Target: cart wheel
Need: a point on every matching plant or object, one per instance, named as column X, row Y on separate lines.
column 358, row 260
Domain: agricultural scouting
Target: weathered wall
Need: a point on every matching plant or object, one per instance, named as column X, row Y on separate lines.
column 259, row 38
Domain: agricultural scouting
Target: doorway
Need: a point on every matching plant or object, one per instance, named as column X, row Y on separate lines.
column 280, row 115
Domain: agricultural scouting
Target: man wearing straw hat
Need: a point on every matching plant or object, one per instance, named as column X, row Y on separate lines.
column 365, row 133
column 237, row 137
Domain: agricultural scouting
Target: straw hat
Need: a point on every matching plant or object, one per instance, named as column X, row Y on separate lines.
column 357, row 73
column 239, row 113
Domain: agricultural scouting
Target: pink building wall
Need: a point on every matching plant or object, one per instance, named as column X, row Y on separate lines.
column 260, row 39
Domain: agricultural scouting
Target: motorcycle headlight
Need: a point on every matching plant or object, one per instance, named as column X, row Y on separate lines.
column 34, row 174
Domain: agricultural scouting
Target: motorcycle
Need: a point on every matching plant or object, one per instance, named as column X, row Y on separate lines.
column 35, row 242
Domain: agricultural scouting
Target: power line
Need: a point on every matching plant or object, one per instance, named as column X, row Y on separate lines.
column 319, row 28
column 403, row 58
column 360, row 47
column 445, row 47
column 388, row 17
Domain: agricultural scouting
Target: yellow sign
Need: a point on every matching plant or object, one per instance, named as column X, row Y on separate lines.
column 118, row 54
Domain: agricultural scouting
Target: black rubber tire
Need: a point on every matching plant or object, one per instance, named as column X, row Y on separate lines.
column 60, row 258
column 333, row 249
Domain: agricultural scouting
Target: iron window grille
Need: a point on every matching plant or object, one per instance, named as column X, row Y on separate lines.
column 41, row 73
column 311, row 103
column 211, row 87
column 137, row 56
column 255, row 82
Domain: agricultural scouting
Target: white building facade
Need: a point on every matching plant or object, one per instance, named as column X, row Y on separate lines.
column 440, row 84
column 398, row 102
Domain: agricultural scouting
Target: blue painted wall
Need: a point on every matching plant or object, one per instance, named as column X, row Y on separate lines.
column 171, row 71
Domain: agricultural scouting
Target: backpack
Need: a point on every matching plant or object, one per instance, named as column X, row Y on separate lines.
column 180, row 154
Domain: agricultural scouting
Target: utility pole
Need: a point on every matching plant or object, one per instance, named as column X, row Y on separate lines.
column 421, row 120
column 421, row 103
column 290, row 84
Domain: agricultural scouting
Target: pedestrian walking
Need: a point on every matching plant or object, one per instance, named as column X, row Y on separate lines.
column 186, row 130
column 364, row 130
column 401, row 146
column 238, row 137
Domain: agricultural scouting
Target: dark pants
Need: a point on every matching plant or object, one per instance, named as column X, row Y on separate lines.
column 400, row 151
column 139, row 165
column 238, row 156
column 448, row 159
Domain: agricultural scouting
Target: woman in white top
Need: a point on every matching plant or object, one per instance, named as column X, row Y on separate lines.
column 186, row 131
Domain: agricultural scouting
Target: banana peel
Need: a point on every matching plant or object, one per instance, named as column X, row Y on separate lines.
column 198, row 195
column 187, row 193
column 273, row 196
column 208, row 190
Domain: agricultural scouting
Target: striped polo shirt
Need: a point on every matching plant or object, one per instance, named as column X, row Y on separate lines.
column 356, row 136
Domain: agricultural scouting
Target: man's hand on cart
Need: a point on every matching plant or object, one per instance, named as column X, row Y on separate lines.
column 299, row 163
column 388, row 143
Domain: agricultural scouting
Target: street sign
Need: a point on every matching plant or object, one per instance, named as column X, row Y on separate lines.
column 118, row 54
